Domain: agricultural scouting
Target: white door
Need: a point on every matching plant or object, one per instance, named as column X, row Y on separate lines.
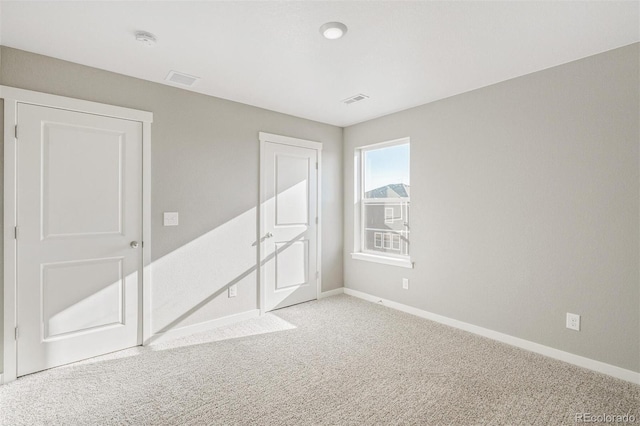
column 289, row 225
column 79, row 217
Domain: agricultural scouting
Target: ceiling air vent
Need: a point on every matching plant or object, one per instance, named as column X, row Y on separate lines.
column 355, row 98
column 181, row 78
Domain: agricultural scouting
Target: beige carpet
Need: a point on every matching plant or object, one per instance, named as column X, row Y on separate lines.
column 338, row 361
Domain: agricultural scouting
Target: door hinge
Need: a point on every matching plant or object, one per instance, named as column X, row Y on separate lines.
column 15, row 232
column 316, row 220
column 15, row 131
column 316, row 165
column 17, row 335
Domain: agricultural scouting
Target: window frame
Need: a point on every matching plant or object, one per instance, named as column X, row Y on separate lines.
column 359, row 251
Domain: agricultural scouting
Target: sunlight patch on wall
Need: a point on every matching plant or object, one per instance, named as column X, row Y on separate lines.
column 186, row 279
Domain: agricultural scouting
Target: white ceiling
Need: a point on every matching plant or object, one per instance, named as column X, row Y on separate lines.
column 270, row 54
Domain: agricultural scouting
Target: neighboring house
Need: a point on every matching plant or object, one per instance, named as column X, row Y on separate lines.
column 386, row 218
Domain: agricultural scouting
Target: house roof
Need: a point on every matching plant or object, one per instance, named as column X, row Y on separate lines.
column 393, row 190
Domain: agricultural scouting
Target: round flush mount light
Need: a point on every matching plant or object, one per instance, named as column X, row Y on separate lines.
column 145, row 38
column 333, row 30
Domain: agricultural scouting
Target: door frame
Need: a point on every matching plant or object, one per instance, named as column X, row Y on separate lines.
column 12, row 97
column 302, row 143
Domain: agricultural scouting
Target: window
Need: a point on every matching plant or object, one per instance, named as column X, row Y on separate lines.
column 382, row 191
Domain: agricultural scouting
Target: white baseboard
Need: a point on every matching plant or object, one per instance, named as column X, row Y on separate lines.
column 205, row 326
column 591, row 364
column 331, row 293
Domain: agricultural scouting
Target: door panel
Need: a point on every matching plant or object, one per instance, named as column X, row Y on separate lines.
column 289, row 221
column 78, row 296
column 79, row 207
column 292, row 195
column 97, row 156
column 292, row 264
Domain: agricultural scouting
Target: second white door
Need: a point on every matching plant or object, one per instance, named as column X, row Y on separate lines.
column 289, row 224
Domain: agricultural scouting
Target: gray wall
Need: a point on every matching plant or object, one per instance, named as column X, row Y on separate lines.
column 525, row 199
column 524, row 206
column 205, row 158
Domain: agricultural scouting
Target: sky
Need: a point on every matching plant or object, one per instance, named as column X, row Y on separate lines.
column 386, row 165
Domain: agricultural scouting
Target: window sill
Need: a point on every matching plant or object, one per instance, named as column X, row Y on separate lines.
column 393, row 261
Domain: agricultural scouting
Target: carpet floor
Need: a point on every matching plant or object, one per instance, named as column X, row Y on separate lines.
column 337, row 361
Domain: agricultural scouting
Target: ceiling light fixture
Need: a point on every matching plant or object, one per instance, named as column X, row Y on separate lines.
column 333, row 30
column 146, row 38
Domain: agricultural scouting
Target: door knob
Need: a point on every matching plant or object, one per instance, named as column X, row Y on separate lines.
column 134, row 244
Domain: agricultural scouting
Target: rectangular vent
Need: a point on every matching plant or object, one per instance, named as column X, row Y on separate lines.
column 181, row 78
column 355, row 98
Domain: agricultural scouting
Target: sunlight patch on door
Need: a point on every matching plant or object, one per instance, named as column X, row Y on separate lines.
column 81, row 296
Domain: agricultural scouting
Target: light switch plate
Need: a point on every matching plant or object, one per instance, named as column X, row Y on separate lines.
column 170, row 218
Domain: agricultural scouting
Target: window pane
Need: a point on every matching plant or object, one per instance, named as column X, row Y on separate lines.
column 386, row 172
column 386, row 227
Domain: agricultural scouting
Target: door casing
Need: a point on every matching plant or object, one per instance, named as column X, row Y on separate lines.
column 12, row 97
column 286, row 140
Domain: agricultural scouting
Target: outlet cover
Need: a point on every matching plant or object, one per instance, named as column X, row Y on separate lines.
column 233, row 290
column 405, row 283
column 573, row 321
column 170, row 218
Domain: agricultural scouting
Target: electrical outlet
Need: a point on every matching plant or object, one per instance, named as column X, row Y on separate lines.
column 573, row 321
column 405, row 283
column 233, row 290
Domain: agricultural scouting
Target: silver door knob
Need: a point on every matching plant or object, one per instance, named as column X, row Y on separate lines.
column 268, row 235
column 134, row 244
